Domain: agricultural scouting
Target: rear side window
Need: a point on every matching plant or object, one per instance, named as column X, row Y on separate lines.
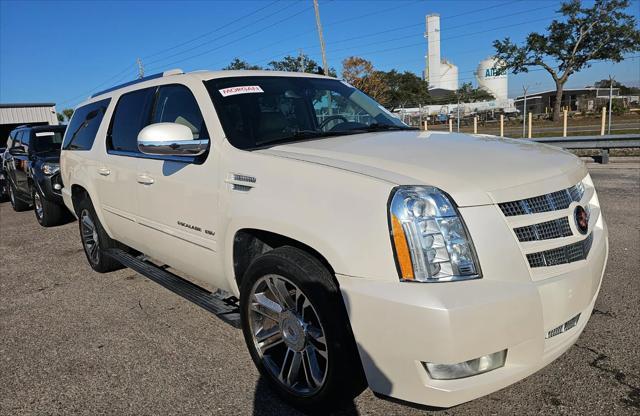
column 83, row 126
column 130, row 116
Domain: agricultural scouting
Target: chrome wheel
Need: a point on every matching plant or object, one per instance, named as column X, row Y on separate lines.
column 37, row 201
column 288, row 335
column 89, row 236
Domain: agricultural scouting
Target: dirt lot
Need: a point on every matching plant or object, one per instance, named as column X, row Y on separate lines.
column 76, row 342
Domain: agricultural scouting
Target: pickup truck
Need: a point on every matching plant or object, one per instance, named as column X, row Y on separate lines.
column 351, row 249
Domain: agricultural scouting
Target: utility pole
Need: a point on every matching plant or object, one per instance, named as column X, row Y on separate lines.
column 301, row 61
column 610, row 101
column 140, row 68
column 524, row 111
column 319, row 26
column 458, row 117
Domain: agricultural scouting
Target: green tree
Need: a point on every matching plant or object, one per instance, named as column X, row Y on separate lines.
column 467, row 94
column 404, row 89
column 624, row 90
column 238, row 63
column 68, row 112
column 300, row 63
column 601, row 32
column 60, row 117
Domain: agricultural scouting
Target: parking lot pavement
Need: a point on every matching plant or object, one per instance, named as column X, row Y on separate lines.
column 76, row 342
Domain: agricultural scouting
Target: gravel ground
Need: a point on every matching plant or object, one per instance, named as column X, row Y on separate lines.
column 76, row 342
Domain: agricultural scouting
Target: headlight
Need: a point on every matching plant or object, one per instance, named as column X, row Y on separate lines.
column 430, row 240
column 50, row 168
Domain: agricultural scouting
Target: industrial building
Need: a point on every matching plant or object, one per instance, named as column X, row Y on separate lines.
column 14, row 115
column 492, row 78
column 441, row 74
column 442, row 77
column 587, row 99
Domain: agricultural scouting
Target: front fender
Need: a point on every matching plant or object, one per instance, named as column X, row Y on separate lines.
column 340, row 214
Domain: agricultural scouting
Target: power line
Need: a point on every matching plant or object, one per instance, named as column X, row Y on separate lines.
column 241, row 28
column 211, row 31
column 237, row 40
column 108, row 80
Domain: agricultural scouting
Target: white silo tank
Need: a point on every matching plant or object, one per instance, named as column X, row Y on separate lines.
column 448, row 76
column 491, row 79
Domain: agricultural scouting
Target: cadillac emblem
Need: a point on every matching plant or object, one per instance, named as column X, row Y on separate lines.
column 581, row 218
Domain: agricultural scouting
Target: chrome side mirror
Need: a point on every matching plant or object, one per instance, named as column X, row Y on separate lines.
column 170, row 139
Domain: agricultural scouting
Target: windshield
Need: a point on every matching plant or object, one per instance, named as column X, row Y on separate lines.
column 262, row 111
column 46, row 141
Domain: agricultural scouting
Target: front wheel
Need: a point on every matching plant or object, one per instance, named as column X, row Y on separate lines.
column 297, row 330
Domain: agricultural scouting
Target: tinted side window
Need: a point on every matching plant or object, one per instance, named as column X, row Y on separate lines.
column 130, row 116
column 176, row 104
column 25, row 139
column 83, row 126
column 16, row 141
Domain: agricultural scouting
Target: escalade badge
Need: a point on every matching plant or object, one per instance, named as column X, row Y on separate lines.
column 581, row 218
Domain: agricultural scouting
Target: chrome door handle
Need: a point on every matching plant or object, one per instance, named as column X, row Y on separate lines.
column 104, row 171
column 145, row 180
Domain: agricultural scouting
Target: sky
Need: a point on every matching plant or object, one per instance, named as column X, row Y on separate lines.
column 62, row 51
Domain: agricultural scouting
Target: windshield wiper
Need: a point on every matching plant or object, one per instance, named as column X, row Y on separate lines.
column 383, row 127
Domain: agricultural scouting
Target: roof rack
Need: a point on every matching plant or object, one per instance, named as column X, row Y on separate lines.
column 147, row 78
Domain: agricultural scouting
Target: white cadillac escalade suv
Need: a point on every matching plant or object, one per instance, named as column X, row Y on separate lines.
column 433, row 268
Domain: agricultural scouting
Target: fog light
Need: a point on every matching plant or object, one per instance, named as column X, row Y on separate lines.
column 467, row 368
column 57, row 186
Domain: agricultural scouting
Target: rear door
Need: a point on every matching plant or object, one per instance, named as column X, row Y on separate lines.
column 178, row 195
column 118, row 170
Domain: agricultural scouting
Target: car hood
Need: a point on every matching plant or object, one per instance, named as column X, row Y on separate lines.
column 473, row 169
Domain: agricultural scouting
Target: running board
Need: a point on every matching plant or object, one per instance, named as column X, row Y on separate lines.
column 219, row 303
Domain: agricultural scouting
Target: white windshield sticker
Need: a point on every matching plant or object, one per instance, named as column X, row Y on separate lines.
column 247, row 89
column 45, row 133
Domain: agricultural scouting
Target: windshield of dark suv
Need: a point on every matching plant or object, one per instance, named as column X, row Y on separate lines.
column 46, row 141
column 261, row 111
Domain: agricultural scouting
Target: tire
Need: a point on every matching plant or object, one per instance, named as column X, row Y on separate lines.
column 47, row 213
column 95, row 240
column 312, row 331
column 4, row 191
column 17, row 204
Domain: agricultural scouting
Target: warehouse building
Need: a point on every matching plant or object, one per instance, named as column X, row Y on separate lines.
column 14, row 115
column 574, row 99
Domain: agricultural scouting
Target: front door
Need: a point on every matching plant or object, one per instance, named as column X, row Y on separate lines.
column 178, row 195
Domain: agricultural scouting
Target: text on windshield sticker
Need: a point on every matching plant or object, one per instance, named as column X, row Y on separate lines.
column 247, row 89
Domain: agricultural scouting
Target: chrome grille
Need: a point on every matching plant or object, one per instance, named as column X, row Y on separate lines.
column 561, row 255
column 545, row 230
column 544, row 203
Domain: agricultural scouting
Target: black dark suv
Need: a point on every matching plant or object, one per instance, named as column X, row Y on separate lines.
column 32, row 169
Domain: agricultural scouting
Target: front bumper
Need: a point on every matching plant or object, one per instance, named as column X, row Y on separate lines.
column 398, row 326
column 46, row 186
